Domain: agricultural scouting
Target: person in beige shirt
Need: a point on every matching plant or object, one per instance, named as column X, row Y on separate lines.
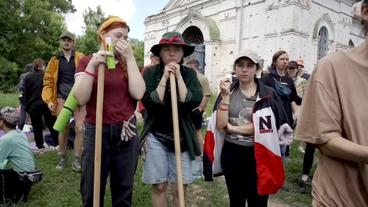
column 334, row 118
column 197, row 117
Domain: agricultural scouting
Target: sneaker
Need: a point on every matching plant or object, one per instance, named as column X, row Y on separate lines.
column 39, row 150
column 61, row 164
column 76, row 165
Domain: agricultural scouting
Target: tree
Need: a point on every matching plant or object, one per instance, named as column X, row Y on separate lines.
column 30, row 29
column 88, row 43
column 138, row 47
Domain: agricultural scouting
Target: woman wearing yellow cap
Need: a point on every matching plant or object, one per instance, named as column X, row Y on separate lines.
column 124, row 85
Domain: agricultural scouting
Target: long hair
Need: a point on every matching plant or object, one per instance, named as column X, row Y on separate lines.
column 275, row 57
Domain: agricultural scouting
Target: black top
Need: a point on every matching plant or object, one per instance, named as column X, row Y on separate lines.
column 269, row 80
column 33, row 84
column 65, row 76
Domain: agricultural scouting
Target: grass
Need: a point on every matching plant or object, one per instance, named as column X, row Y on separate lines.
column 293, row 169
column 10, row 99
column 59, row 189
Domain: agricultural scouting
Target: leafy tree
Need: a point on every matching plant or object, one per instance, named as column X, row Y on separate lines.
column 8, row 75
column 88, row 43
column 29, row 29
column 138, row 47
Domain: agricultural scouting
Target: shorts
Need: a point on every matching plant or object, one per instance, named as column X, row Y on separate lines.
column 160, row 164
column 197, row 118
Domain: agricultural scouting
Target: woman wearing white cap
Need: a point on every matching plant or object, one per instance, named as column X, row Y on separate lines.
column 252, row 117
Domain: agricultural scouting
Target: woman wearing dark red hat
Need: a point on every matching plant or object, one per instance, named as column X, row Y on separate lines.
column 124, row 85
column 159, row 166
column 334, row 119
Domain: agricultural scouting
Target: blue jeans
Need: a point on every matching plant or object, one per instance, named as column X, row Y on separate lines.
column 119, row 158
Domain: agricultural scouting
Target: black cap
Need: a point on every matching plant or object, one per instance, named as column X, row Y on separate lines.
column 293, row 64
column 29, row 67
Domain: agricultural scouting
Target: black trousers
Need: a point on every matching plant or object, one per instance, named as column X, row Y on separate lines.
column 22, row 117
column 118, row 158
column 13, row 187
column 308, row 158
column 239, row 167
column 37, row 124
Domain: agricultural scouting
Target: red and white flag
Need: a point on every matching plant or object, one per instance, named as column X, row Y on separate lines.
column 269, row 166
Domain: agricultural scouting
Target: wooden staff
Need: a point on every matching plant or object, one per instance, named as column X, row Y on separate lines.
column 98, row 135
column 175, row 117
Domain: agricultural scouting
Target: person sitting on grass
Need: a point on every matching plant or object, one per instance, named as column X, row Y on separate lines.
column 16, row 158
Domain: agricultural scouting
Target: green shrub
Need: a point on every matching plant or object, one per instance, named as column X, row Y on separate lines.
column 9, row 75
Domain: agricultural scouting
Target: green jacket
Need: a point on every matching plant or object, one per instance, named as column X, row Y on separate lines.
column 151, row 102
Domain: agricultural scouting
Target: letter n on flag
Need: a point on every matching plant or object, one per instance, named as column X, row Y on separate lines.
column 269, row 166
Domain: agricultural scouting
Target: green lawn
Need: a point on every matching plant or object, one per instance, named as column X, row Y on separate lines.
column 10, row 99
column 60, row 189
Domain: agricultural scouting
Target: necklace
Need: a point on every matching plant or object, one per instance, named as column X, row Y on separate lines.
column 251, row 91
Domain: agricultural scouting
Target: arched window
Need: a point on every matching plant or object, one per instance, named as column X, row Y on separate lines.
column 323, row 42
column 193, row 36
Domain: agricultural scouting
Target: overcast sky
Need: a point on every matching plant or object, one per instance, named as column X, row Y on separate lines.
column 133, row 11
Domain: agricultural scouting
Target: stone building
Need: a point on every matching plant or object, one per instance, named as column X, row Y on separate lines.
column 307, row 29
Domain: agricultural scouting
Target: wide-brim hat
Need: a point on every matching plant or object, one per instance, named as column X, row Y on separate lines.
column 252, row 55
column 172, row 38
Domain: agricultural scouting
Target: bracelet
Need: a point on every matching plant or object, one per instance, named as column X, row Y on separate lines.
column 162, row 85
column 225, row 104
column 222, row 109
column 90, row 74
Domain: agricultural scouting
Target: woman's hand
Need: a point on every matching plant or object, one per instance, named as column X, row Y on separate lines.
column 97, row 59
column 124, row 48
column 174, row 68
column 225, row 87
column 128, row 129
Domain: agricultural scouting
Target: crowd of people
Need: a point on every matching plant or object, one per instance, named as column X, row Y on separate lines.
column 255, row 119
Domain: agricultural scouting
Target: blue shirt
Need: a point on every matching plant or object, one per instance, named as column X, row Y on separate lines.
column 15, row 152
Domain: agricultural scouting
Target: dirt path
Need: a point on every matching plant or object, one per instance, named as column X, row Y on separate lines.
column 214, row 194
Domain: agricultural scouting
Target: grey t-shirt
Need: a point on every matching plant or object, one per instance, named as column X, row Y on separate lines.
column 240, row 113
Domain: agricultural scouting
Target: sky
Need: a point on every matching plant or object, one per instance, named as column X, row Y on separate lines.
column 132, row 11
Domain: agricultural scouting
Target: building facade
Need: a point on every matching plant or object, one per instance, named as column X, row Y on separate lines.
column 307, row 29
